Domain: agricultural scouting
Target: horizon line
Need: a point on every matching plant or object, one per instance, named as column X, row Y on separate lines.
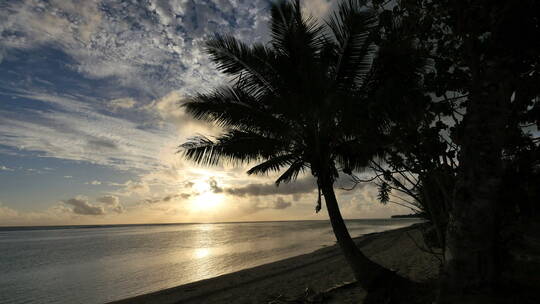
column 178, row 223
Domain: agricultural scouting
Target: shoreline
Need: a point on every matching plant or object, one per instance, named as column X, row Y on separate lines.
column 315, row 272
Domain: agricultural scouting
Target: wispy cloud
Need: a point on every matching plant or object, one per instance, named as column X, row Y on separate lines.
column 4, row 168
column 94, row 182
column 77, row 131
column 122, row 103
column 167, row 198
column 132, row 187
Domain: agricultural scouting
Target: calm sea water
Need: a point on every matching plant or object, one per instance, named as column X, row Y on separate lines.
column 100, row 264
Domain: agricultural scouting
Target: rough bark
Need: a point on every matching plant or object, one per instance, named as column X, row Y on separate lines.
column 470, row 270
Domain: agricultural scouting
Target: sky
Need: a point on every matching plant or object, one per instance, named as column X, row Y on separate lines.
column 90, row 117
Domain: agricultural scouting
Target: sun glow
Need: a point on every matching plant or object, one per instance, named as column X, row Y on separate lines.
column 205, row 199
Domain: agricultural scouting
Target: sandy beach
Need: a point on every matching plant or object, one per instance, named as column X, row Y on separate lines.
column 320, row 274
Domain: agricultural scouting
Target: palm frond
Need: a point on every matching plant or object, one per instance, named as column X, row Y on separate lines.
column 281, row 23
column 383, row 194
column 273, row 164
column 395, row 84
column 235, row 58
column 234, row 108
column 352, row 26
column 355, row 154
column 234, row 147
column 291, row 173
column 292, row 34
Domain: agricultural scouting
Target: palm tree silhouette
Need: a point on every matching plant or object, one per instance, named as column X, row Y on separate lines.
column 301, row 103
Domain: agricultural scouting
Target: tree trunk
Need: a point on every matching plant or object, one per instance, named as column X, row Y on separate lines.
column 381, row 283
column 471, row 237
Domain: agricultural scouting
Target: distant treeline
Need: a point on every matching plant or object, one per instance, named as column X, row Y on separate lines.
column 412, row 215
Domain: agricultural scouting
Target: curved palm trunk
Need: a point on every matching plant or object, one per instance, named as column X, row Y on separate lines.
column 370, row 275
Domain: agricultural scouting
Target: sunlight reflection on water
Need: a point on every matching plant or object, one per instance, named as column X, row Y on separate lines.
column 105, row 264
column 201, row 253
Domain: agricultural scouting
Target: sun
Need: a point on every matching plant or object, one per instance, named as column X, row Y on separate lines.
column 205, row 199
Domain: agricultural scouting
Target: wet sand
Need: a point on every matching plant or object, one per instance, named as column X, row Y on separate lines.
column 316, row 273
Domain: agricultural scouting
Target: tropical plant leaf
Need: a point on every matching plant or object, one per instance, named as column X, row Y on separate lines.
column 234, row 146
column 291, row 173
column 235, row 58
column 273, row 164
column 234, row 108
column 352, row 26
column 384, row 193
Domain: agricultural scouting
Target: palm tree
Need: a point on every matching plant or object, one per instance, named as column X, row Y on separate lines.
column 300, row 104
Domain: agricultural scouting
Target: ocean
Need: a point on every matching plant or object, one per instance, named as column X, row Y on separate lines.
column 97, row 264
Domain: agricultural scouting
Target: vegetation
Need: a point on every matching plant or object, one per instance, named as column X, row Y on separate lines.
column 484, row 55
column 436, row 98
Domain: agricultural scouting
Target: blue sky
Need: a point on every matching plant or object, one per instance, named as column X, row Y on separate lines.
column 90, row 123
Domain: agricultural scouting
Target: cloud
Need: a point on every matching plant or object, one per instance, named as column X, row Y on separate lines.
column 78, row 131
column 301, row 186
column 214, row 186
column 112, row 202
column 52, row 216
column 181, row 195
column 109, row 200
column 6, row 212
column 151, row 44
column 256, row 205
column 101, row 144
column 138, row 187
column 4, row 168
column 82, row 206
column 168, row 109
column 122, row 104
column 318, row 8
column 68, row 176
column 167, row 198
column 94, row 182
column 280, row 203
